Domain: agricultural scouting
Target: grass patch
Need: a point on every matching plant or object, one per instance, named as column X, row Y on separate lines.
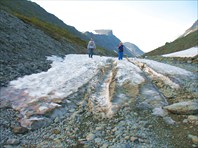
column 54, row 31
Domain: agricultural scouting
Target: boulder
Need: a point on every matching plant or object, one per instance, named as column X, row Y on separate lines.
column 193, row 119
column 183, row 108
column 19, row 130
column 193, row 138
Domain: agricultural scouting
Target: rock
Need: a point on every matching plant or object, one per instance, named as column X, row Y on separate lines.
column 56, row 131
column 19, row 130
column 189, row 61
column 72, row 110
column 185, row 121
column 169, row 120
column 105, row 145
column 13, row 141
column 183, row 108
column 98, row 140
column 99, row 128
column 56, row 120
column 193, row 119
column 57, row 142
column 193, row 138
column 134, row 139
column 159, row 112
column 5, row 104
column 90, row 137
column 38, row 123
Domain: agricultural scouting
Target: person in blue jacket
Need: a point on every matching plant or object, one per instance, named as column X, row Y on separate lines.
column 120, row 51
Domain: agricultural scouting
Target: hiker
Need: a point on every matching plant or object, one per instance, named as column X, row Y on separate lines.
column 90, row 47
column 120, row 51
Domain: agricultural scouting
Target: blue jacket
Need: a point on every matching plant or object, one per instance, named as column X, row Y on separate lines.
column 121, row 48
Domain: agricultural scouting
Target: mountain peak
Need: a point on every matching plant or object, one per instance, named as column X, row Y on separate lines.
column 104, row 31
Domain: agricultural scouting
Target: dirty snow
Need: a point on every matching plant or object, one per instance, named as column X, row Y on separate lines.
column 72, row 72
column 128, row 72
column 191, row 52
column 64, row 78
column 41, row 92
column 165, row 68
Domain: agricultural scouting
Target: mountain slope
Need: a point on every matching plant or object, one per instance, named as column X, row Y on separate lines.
column 193, row 28
column 188, row 40
column 31, row 10
column 179, row 44
column 106, row 39
column 134, row 49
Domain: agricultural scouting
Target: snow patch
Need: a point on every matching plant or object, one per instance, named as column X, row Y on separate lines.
column 128, row 72
column 54, row 58
column 64, row 78
column 94, row 32
column 39, row 93
column 165, row 69
column 191, row 52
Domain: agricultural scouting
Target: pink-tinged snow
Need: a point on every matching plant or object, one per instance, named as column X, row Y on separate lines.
column 191, row 52
column 63, row 79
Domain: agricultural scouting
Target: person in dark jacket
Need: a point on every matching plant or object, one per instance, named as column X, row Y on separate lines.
column 90, row 47
column 120, row 51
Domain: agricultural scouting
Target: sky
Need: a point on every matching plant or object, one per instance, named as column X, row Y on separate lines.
column 148, row 24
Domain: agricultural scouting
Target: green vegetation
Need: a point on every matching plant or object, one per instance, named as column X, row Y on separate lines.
column 52, row 30
column 191, row 40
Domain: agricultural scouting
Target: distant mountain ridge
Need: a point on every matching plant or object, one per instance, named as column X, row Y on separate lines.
column 106, row 39
column 134, row 49
column 104, row 31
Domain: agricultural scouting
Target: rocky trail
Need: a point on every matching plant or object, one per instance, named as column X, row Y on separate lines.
column 107, row 103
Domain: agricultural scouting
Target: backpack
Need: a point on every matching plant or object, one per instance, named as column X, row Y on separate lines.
column 91, row 43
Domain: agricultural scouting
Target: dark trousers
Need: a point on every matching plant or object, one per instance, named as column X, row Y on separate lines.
column 90, row 52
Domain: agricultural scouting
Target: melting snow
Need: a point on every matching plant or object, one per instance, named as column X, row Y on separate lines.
column 64, row 78
column 165, row 68
column 42, row 91
column 128, row 72
column 191, row 52
column 72, row 72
